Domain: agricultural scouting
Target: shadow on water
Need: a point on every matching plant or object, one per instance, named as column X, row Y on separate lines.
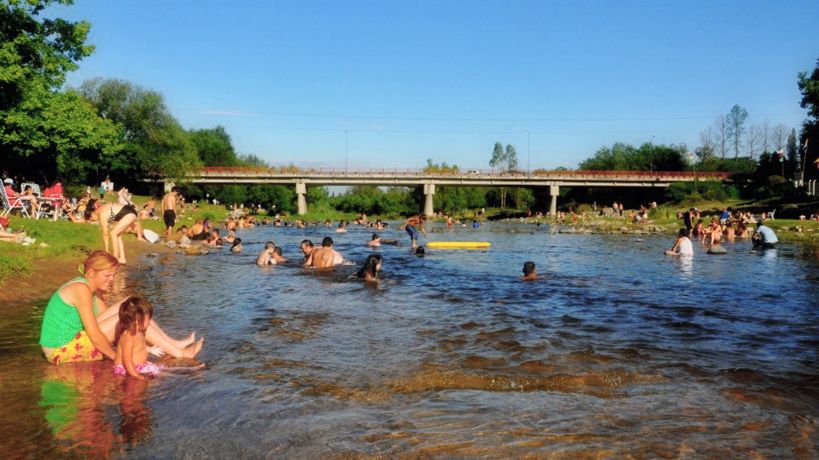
column 615, row 351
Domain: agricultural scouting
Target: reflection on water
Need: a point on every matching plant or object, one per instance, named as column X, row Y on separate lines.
column 618, row 350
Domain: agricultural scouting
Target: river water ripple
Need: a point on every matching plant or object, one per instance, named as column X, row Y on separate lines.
column 618, row 350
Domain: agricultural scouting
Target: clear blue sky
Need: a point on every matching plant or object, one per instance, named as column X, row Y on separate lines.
column 446, row 79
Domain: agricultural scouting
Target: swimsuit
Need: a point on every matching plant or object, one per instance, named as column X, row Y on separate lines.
column 413, row 233
column 78, row 349
column 123, row 211
column 146, row 368
column 169, row 216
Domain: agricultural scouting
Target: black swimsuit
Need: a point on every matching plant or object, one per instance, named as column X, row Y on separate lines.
column 123, row 211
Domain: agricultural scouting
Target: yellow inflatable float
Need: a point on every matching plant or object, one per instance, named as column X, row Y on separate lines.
column 459, row 244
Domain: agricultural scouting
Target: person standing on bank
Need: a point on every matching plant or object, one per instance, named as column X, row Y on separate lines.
column 169, row 210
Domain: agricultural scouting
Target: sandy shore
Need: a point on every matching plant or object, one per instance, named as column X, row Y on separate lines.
column 49, row 274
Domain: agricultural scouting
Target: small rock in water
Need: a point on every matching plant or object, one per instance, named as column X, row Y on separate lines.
column 717, row 250
column 639, row 240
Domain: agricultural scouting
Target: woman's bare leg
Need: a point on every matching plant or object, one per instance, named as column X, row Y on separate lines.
column 153, row 336
column 120, row 228
column 113, row 311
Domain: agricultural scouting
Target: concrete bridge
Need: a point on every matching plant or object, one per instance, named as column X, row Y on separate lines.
column 429, row 180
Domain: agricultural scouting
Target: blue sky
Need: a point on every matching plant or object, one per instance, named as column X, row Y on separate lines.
column 444, row 80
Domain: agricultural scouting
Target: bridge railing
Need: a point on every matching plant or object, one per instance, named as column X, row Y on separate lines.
column 240, row 171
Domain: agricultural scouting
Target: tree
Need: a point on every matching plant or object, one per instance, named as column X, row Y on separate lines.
column 45, row 132
column 809, row 87
column 213, row 146
column 511, row 157
column 752, row 140
column 792, row 152
column 779, row 135
column 736, row 127
column 721, row 133
column 35, row 54
column 156, row 146
column 498, row 156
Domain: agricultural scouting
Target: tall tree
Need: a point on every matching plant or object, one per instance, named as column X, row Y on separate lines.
column 511, row 156
column 213, row 146
column 721, row 135
column 36, row 53
column 779, row 136
column 736, row 127
column 752, row 140
column 498, row 156
column 809, row 87
column 156, row 145
column 43, row 131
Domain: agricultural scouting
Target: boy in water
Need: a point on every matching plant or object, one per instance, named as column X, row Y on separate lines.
column 409, row 226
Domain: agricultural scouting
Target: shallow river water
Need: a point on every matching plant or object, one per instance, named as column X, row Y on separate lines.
column 617, row 351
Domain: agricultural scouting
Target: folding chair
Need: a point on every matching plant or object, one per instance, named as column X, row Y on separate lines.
column 36, row 211
column 10, row 204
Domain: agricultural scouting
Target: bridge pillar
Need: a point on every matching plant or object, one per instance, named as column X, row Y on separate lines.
column 554, row 191
column 301, row 198
column 429, row 192
column 168, row 186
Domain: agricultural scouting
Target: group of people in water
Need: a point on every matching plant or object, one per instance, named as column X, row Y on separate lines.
column 719, row 230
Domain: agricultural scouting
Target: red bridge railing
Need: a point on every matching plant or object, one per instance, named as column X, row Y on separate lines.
column 291, row 170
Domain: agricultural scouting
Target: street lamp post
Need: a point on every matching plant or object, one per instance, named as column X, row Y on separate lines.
column 346, row 154
column 651, row 155
column 528, row 153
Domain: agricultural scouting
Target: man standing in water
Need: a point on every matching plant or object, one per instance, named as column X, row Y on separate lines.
column 409, row 226
column 169, row 210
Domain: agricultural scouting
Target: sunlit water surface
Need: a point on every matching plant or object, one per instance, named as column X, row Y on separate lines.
column 618, row 350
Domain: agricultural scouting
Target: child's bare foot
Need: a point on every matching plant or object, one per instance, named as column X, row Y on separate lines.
column 193, row 350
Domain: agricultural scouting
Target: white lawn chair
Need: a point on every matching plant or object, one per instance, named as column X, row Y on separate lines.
column 11, row 204
column 771, row 214
column 40, row 210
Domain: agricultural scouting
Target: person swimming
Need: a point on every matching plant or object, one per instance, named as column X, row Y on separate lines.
column 419, row 251
column 266, row 256
column 371, row 268
column 237, row 245
column 529, row 271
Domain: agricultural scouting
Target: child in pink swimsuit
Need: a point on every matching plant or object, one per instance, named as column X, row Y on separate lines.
column 132, row 352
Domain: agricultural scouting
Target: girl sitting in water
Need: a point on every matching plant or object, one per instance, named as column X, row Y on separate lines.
column 132, row 353
column 237, row 245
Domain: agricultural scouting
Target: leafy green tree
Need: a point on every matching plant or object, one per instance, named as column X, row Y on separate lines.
column 214, row 146
column 59, row 135
column 43, row 131
column 511, row 157
column 156, row 146
column 250, row 159
column 498, row 158
column 35, row 53
column 736, row 127
column 809, row 87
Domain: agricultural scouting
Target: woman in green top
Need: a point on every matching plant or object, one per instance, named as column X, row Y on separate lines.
column 73, row 330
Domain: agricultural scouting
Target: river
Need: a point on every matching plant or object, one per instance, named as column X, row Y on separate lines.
column 616, row 351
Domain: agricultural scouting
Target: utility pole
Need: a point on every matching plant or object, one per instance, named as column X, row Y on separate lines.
column 346, row 154
column 528, row 153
